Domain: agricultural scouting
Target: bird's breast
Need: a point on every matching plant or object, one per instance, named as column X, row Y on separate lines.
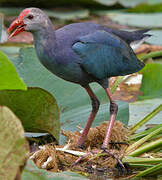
column 67, row 70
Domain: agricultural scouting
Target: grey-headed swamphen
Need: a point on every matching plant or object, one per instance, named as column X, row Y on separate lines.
column 82, row 53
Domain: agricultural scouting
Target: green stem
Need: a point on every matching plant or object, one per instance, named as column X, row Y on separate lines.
column 158, row 149
column 146, row 148
column 145, row 119
column 144, row 133
column 151, row 170
column 140, row 165
column 116, row 84
column 135, row 145
column 139, row 160
column 151, row 55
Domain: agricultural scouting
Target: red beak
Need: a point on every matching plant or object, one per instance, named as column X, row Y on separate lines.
column 18, row 25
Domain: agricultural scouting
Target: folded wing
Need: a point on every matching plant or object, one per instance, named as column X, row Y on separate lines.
column 104, row 55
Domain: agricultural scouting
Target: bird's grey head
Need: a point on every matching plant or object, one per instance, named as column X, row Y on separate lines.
column 30, row 19
column 35, row 19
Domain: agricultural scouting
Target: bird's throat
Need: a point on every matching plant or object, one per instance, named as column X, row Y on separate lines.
column 45, row 42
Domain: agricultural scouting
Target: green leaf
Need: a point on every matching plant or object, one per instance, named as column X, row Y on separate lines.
column 72, row 99
column 137, row 20
column 146, row 8
column 13, row 145
column 133, row 3
column 151, row 81
column 9, row 78
column 36, row 108
column 32, row 172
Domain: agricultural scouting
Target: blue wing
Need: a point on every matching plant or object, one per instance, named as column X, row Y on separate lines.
column 104, row 55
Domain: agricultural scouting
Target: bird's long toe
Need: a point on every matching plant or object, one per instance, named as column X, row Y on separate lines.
column 122, row 168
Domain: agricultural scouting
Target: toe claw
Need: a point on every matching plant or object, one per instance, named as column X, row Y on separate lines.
column 120, row 166
column 124, row 169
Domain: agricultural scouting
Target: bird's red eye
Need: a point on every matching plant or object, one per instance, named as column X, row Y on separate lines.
column 30, row 17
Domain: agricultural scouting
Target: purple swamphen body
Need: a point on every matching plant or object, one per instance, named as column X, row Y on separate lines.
column 82, row 53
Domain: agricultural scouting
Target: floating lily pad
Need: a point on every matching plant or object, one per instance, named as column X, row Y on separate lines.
column 68, row 14
column 156, row 37
column 107, row 2
column 138, row 110
column 149, row 20
column 13, row 145
column 128, row 3
column 10, row 50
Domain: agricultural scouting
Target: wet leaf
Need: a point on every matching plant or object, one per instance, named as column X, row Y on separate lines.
column 107, row 2
column 72, row 99
column 68, row 14
column 10, row 50
column 36, row 108
column 10, row 11
column 127, row 3
column 138, row 110
column 79, row 115
column 137, row 19
column 156, row 37
column 152, row 81
column 32, row 172
column 13, row 145
column 8, row 76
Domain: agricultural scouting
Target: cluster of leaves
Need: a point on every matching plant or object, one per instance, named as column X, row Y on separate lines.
column 142, row 153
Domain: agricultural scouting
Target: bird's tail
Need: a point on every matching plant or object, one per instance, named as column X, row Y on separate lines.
column 138, row 37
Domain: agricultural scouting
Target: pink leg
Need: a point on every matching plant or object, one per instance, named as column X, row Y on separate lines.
column 95, row 107
column 113, row 113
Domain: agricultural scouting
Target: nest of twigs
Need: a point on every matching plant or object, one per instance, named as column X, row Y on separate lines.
column 50, row 158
